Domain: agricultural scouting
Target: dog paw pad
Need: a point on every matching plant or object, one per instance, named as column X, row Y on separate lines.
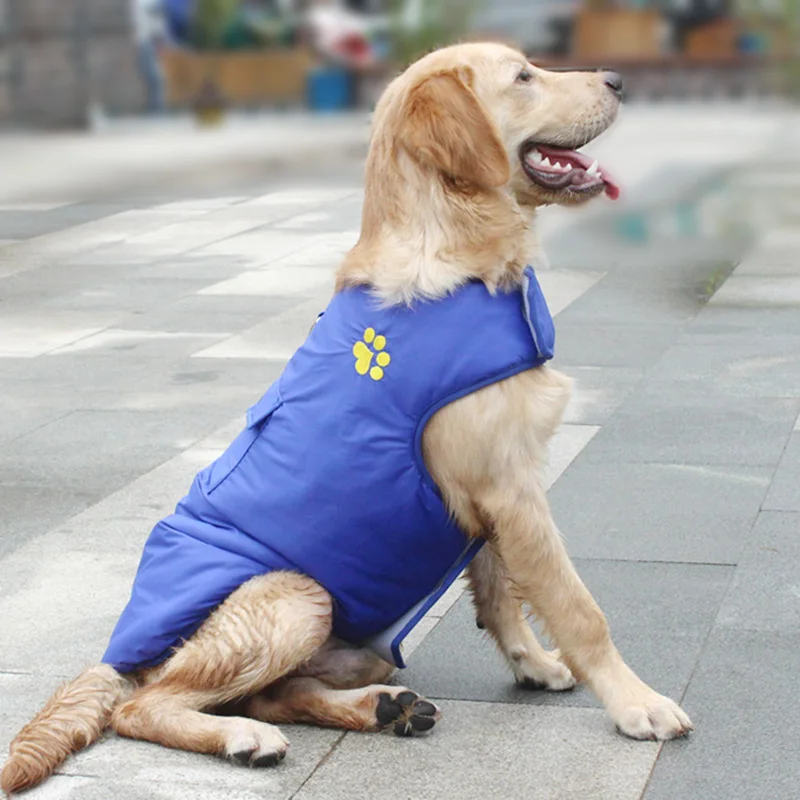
column 406, row 713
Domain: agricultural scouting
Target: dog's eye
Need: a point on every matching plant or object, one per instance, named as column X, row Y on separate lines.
column 524, row 77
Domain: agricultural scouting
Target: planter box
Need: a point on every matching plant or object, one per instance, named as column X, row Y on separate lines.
column 244, row 79
column 714, row 39
column 617, row 34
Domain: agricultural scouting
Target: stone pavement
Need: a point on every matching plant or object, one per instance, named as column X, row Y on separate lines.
column 136, row 330
column 39, row 166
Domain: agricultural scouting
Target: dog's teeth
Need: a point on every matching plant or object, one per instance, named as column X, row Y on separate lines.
column 546, row 162
column 593, row 169
column 568, row 166
column 599, row 174
column 557, row 165
column 535, row 157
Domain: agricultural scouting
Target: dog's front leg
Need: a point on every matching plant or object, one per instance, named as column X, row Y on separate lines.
column 500, row 612
column 530, row 546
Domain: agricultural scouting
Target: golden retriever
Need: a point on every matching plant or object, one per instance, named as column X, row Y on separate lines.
column 466, row 145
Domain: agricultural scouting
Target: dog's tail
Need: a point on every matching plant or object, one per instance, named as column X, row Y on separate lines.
column 74, row 717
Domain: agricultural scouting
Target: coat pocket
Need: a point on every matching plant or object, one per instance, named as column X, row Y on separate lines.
column 258, row 417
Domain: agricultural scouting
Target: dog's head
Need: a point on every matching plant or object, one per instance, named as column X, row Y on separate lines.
column 482, row 117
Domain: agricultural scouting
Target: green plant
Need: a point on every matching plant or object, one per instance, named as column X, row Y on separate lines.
column 765, row 16
column 212, row 21
column 792, row 12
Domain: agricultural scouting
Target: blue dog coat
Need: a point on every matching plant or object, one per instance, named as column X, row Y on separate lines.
column 328, row 478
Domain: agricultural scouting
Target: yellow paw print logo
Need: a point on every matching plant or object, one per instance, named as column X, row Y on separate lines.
column 364, row 355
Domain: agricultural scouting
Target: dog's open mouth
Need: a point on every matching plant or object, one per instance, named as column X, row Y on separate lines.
column 559, row 169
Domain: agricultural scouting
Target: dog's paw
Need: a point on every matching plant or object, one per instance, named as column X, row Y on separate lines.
column 255, row 744
column 405, row 712
column 545, row 672
column 654, row 718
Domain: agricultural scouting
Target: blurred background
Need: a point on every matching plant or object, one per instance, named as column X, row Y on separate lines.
column 74, row 62
column 179, row 180
column 210, row 95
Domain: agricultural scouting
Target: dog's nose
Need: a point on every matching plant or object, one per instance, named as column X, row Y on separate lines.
column 614, row 82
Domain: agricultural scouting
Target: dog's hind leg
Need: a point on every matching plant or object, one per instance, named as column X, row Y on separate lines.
column 340, row 665
column 262, row 632
column 500, row 613
column 343, row 687
column 371, row 708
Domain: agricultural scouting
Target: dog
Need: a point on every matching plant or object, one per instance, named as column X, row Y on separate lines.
column 466, row 145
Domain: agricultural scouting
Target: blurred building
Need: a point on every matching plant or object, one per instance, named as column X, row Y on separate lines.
column 60, row 57
column 666, row 48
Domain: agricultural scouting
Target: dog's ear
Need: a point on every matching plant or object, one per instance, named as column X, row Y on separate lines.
column 444, row 126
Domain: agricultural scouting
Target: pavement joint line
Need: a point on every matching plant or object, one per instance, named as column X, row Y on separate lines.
column 46, row 260
column 774, row 472
column 652, row 769
column 724, row 564
column 77, row 774
column 333, row 748
column 266, row 227
column 29, row 431
column 681, row 700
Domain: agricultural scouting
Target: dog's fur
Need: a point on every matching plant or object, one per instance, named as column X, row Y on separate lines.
column 447, row 201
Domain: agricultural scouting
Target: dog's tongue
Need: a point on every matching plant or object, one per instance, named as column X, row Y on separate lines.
column 558, row 155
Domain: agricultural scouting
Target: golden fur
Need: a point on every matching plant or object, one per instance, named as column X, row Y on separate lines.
column 446, row 202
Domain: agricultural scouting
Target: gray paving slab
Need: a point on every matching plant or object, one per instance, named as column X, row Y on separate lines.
column 130, row 770
column 752, row 322
column 597, row 392
column 213, row 313
column 101, row 450
column 151, row 344
column 18, row 418
column 741, row 700
column 763, row 594
column 31, row 509
column 660, row 615
column 743, row 706
column 118, row 253
column 770, row 259
column 344, row 214
column 211, row 268
column 784, row 492
column 127, row 294
column 61, row 384
column 26, row 225
column 717, row 429
column 637, row 300
column 612, row 344
column 658, row 512
column 32, row 223
column 773, row 291
column 734, row 365
column 53, row 280
column 677, row 267
column 488, row 751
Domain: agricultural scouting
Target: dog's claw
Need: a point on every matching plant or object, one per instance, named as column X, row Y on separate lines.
column 269, row 760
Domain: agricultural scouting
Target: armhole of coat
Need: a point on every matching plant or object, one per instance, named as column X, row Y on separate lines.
column 451, row 398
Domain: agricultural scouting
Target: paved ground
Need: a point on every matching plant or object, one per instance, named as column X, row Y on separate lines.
column 136, row 329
